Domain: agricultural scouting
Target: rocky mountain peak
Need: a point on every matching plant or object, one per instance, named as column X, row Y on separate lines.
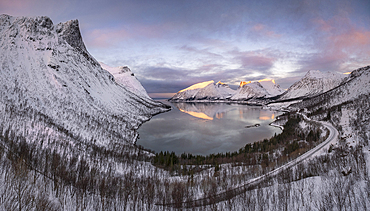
column 70, row 32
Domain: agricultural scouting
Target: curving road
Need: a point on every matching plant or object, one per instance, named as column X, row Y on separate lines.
column 249, row 185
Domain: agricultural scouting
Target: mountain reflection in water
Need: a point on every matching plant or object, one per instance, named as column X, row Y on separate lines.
column 205, row 128
column 204, row 110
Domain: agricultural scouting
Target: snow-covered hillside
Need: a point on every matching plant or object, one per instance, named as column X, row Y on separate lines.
column 353, row 87
column 124, row 77
column 313, row 83
column 208, row 90
column 258, row 89
column 46, row 67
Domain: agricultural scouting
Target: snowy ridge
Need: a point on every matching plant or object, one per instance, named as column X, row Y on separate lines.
column 353, row 87
column 258, row 89
column 124, row 77
column 47, row 67
column 248, row 91
column 271, row 87
column 208, row 91
column 313, row 83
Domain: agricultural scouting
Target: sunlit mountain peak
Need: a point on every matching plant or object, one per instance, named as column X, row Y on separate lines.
column 267, row 79
column 347, row 73
column 242, row 83
column 219, row 82
column 198, row 86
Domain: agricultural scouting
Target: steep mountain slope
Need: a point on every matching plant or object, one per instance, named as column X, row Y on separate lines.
column 46, row 68
column 259, row 89
column 354, row 87
column 208, row 90
column 313, row 83
column 124, row 77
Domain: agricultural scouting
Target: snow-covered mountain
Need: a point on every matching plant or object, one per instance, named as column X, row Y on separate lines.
column 46, row 68
column 124, row 77
column 259, row 89
column 208, row 90
column 313, row 83
column 354, row 87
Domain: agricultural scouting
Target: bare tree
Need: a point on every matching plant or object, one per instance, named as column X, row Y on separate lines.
column 178, row 194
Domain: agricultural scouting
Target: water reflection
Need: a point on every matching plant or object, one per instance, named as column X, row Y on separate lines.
column 206, row 111
column 197, row 114
column 265, row 115
column 205, row 128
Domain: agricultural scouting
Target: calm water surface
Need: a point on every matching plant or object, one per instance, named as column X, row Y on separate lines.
column 205, row 128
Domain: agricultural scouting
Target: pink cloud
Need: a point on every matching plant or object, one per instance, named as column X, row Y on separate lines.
column 256, row 61
column 323, row 25
column 341, row 43
column 13, row 4
column 33, row 8
column 258, row 27
column 110, row 37
column 352, row 39
column 341, row 34
column 106, row 37
column 262, row 30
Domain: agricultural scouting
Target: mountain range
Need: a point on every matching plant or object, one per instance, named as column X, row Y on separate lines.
column 205, row 91
column 313, row 83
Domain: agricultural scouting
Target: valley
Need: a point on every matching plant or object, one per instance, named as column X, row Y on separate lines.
column 68, row 127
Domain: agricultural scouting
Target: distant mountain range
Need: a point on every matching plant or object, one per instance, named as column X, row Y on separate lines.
column 207, row 91
column 313, row 83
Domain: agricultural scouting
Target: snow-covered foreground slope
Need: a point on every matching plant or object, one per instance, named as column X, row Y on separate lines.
column 208, row 91
column 258, row 89
column 46, row 67
column 313, row 83
column 124, row 77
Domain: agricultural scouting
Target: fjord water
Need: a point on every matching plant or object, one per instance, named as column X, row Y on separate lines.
column 206, row 128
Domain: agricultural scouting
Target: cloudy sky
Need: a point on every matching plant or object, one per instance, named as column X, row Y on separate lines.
column 172, row 44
